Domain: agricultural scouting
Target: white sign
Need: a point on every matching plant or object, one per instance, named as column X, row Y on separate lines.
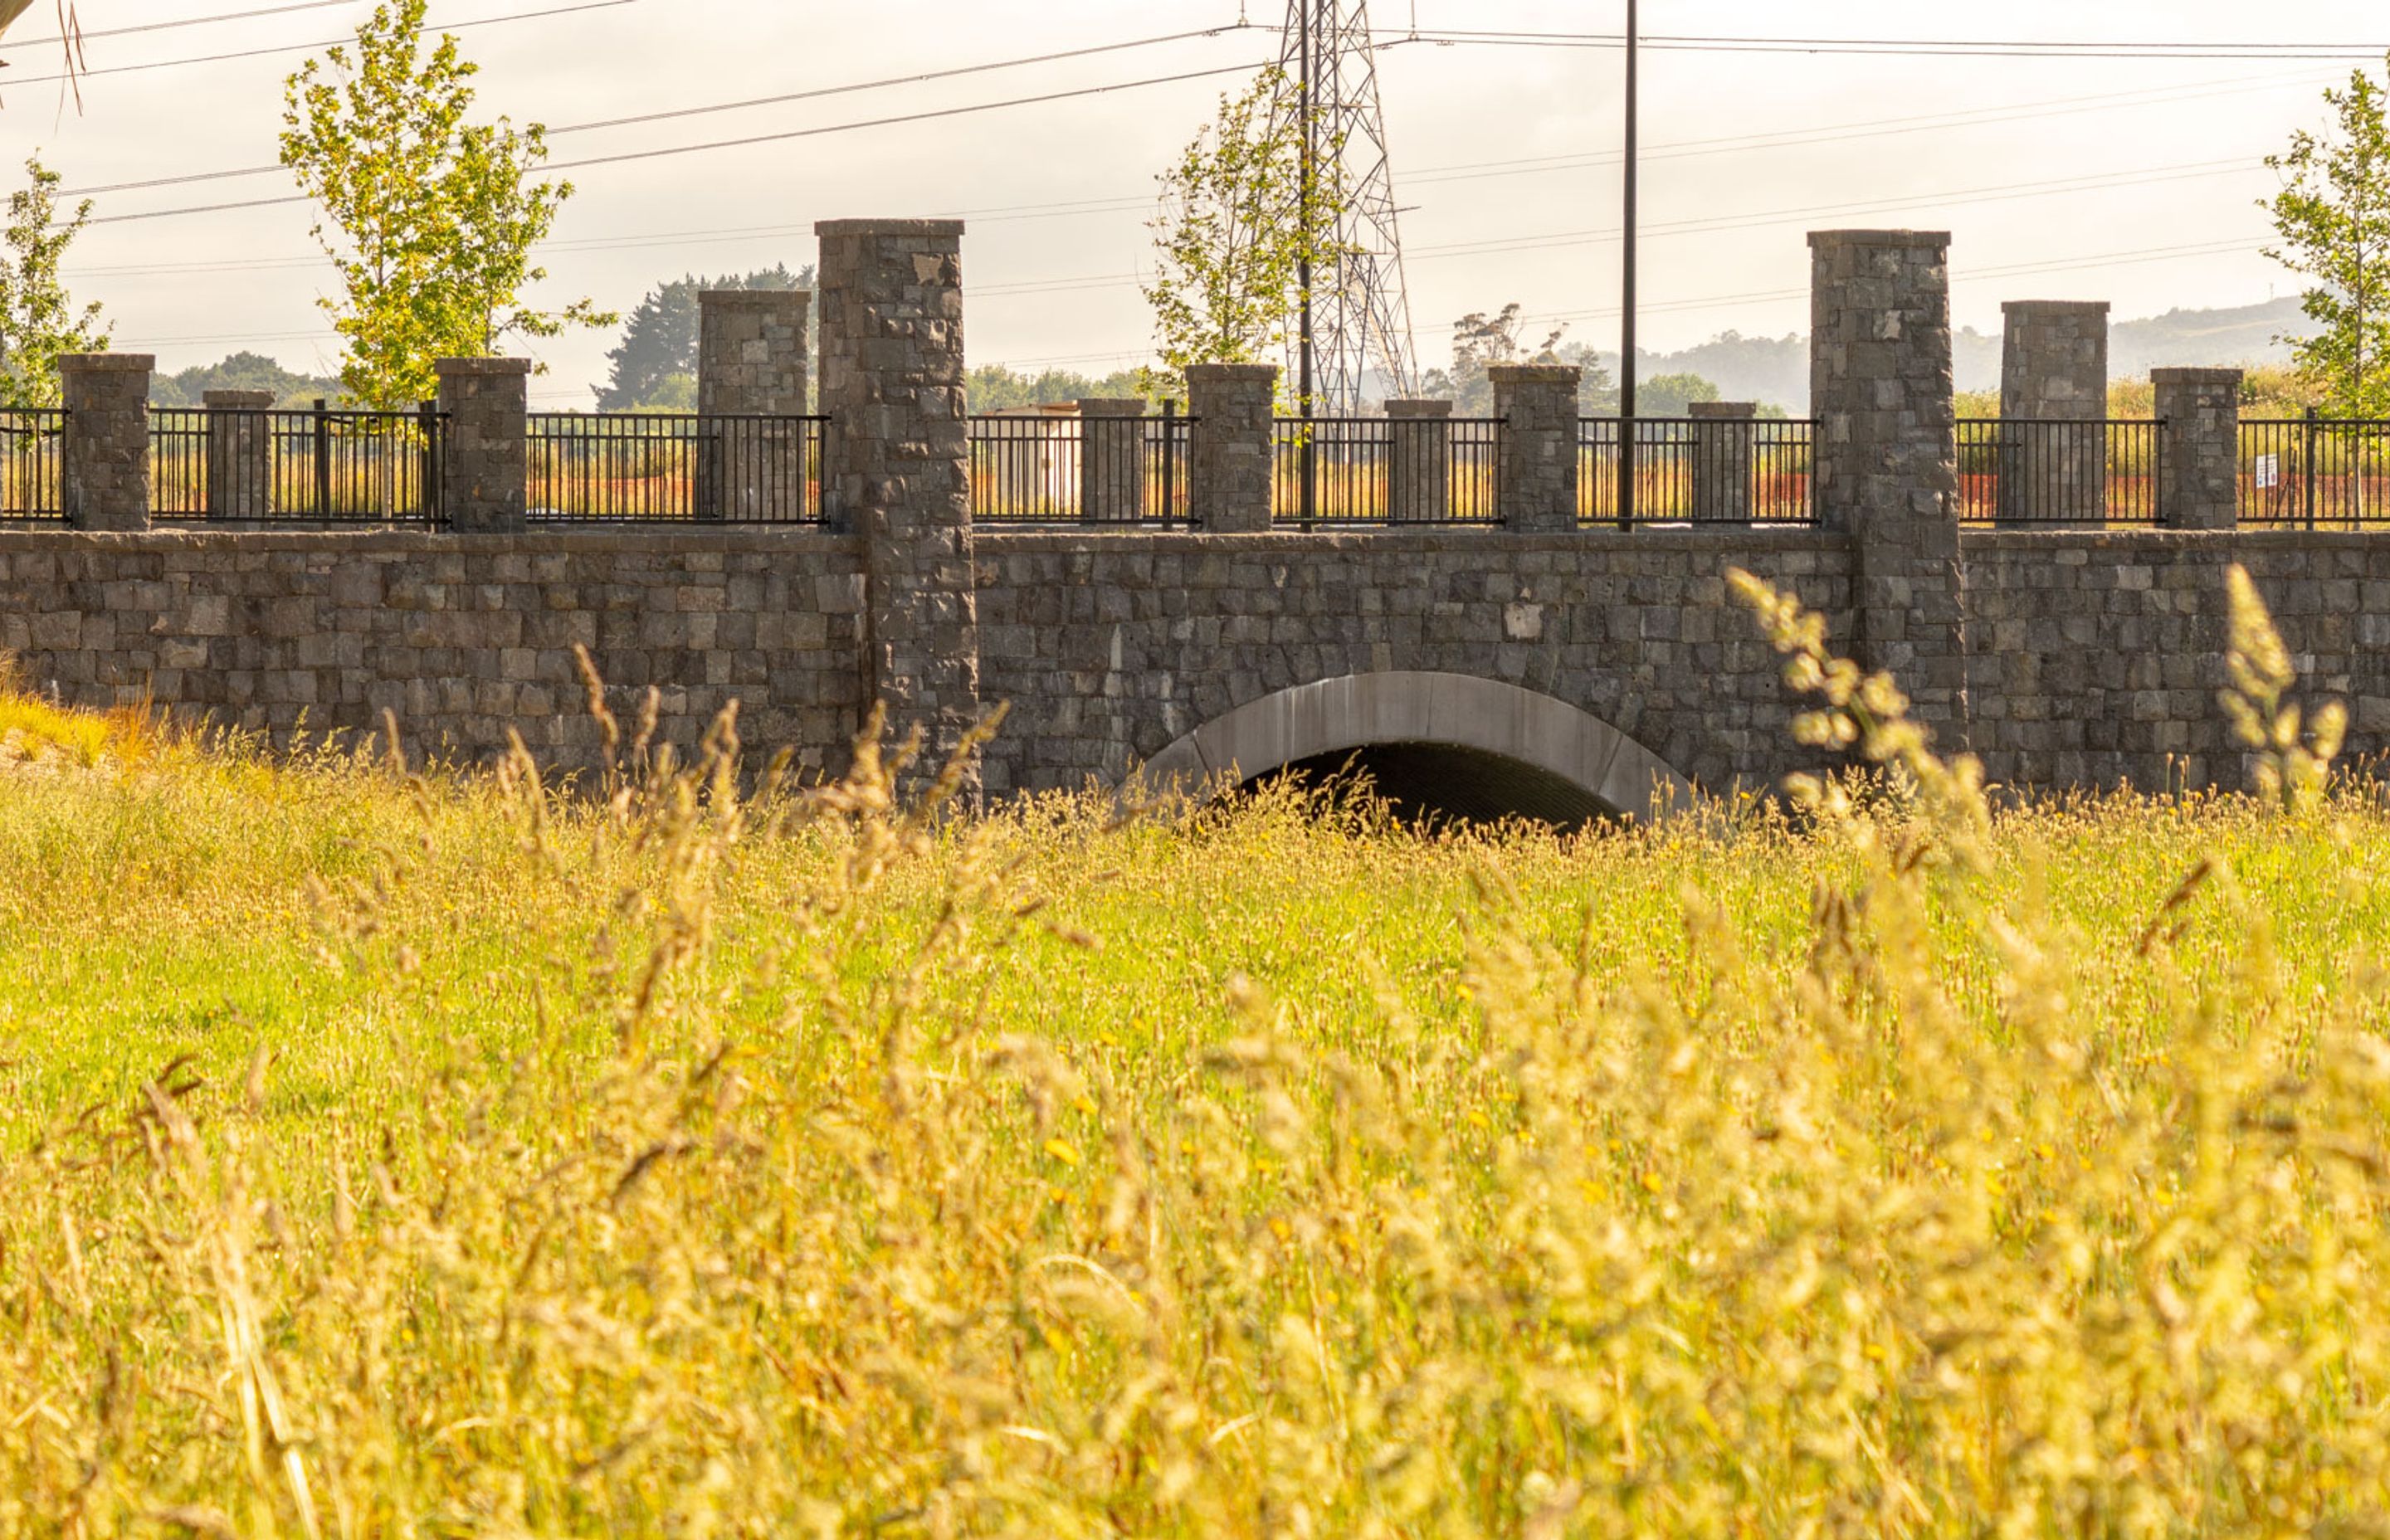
column 2269, row 471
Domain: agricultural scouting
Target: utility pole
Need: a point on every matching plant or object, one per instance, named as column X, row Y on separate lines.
column 1303, row 270
column 1627, row 322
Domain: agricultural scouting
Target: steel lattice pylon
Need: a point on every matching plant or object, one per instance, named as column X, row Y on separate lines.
column 1361, row 312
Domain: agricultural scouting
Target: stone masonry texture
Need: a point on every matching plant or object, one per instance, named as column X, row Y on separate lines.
column 462, row 636
column 1538, row 406
column 239, row 481
column 1418, row 462
column 752, row 360
column 2054, row 370
column 1722, row 460
column 2199, row 475
column 2100, row 655
column 1112, row 461
column 1234, row 406
column 1880, row 387
column 891, row 305
column 485, row 465
column 104, row 480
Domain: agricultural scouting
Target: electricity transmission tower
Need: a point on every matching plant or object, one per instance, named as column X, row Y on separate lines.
column 1357, row 317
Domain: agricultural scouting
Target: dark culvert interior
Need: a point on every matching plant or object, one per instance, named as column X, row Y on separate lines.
column 1440, row 784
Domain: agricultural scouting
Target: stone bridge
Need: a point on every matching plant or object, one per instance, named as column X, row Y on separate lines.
column 1539, row 667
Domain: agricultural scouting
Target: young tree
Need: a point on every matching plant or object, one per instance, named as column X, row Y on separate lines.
column 38, row 321
column 2333, row 218
column 1235, row 229
column 436, row 215
column 655, row 365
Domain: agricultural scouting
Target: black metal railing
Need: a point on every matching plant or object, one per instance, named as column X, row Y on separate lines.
column 669, row 467
column 1057, row 467
column 324, row 466
column 2083, row 473
column 1386, row 471
column 30, row 442
column 1700, row 470
column 2314, row 472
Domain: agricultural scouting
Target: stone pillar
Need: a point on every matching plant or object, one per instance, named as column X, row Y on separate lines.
column 1722, row 459
column 2199, row 473
column 1235, row 409
column 238, row 484
column 1887, row 456
column 104, row 477
column 1538, row 406
column 484, row 467
column 892, row 314
column 751, row 351
column 2054, row 370
column 1111, row 462
column 1418, row 462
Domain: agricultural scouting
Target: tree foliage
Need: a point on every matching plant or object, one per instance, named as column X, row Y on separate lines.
column 994, row 388
column 1481, row 339
column 2332, row 217
column 436, row 215
column 38, row 320
column 655, row 364
column 242, row 371
column 1235, row 226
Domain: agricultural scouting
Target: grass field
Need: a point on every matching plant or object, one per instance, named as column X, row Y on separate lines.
column 383, row 1154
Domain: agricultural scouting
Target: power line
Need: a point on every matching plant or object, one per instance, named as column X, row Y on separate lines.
column 305, row 48
column 83, row 36
column 778, row 137
column 1906, row 47
column 1464, row 171
column 2006, row 192
column 709, row 107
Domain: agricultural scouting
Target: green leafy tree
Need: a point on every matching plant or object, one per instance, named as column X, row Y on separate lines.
column 2334, row 219
column 1235, row 229
column 38, row 320
column 655, row 365
column 436, row 215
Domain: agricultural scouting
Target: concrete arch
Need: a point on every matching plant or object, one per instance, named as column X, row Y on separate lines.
column 1453, row 710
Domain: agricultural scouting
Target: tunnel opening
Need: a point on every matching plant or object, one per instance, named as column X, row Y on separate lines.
column 1443, row 786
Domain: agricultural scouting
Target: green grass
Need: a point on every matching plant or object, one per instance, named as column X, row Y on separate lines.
column 382, row 1155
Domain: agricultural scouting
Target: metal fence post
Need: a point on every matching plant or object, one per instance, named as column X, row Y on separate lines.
column 323, row 461
column 426, row 417
column 1169, row 462
column 2308, row 466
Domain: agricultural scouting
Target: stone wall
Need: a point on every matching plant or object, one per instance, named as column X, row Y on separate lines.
column 463, row 636
column 2099, row 657
column 1110, row 650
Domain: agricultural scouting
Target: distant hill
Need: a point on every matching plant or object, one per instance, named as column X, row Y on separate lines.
column 1776, row 370
column 2195, row 339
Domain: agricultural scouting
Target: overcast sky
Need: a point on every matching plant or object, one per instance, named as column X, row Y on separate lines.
column 2074, row 178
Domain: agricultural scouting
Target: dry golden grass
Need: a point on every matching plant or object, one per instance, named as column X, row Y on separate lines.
column 408, row 1155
